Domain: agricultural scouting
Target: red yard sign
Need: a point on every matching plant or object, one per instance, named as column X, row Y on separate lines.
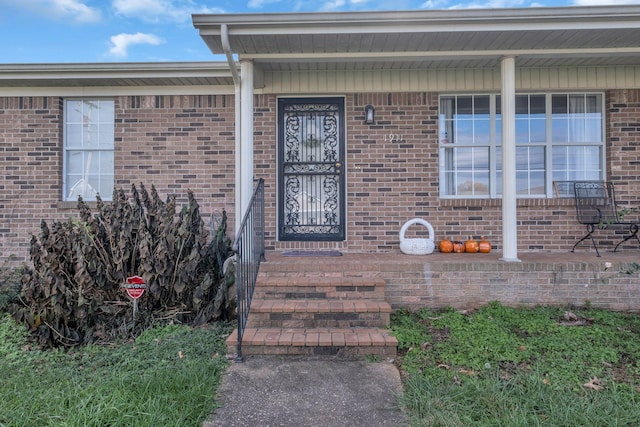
column 135, row 287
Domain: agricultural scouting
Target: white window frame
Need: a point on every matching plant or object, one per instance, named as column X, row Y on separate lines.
column 446, row 142
column 99, row 141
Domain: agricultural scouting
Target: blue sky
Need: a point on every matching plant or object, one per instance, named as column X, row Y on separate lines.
column 41, row 31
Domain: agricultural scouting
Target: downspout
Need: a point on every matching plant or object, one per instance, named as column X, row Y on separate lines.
column 226, row 47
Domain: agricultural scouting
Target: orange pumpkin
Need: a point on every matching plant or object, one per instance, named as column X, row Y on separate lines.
column 471, row 245
column 458, row 247
column 445, row 246
column 484, row 246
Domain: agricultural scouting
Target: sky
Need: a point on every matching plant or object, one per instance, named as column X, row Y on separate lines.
column 57, row 31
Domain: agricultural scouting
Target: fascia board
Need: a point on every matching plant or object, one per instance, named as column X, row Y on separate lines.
column 410, row 21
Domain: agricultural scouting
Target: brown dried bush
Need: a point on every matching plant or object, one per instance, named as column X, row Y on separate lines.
column 73, row 294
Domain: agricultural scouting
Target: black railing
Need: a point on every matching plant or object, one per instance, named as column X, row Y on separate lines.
column 249, row 250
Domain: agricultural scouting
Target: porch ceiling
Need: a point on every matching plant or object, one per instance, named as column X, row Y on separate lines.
column 539, row 37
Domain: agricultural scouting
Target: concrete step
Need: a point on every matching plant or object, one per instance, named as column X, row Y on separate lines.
column 319, row 313
column 343, row 342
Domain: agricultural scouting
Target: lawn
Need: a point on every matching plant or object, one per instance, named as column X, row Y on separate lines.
column 168, row 376
column 495, row 366
column 500, row 366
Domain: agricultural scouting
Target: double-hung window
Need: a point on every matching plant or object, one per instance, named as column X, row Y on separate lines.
column 88, row 149
column 559, row 137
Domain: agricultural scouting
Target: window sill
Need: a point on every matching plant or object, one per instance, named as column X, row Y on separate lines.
column 68, row 206
column 496, row 203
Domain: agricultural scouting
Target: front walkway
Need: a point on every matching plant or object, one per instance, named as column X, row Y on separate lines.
column 295, row 392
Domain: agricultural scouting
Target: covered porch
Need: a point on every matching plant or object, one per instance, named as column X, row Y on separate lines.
column 401, row 63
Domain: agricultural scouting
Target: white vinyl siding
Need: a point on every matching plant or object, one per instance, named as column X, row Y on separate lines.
column 450, row 80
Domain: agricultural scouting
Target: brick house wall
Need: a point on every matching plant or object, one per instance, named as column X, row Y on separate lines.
column 393, row 173
column 173, row 142
column 187, row 142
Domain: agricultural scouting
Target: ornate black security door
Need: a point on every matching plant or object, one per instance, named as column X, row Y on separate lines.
column 311, row 165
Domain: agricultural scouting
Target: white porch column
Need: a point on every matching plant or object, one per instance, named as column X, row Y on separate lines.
column 246, row 137
column 509, row 202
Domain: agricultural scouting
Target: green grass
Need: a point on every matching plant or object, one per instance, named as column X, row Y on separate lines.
column 166, row 377
column 501, row 366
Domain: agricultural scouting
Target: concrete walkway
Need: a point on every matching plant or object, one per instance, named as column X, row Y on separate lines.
column 268, row 391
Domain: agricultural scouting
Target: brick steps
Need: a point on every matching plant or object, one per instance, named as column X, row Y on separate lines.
column 318, row 287
column 318, row 313
column 349, row 342
column 303, row 306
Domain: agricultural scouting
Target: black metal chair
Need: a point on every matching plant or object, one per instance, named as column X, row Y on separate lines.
column 596, row 206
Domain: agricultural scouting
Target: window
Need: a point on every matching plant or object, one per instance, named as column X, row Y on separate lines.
column 88, row 149
column 559, row 137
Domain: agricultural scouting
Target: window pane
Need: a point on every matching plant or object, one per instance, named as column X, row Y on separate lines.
column 482, row 132
column 522, row 130
column 572, row 163
column 73, row 112
column 464, row 158
column 560, row 130
column 464, row 106
column 536, row 158
column 464, row 132
column 538, row 130
column 481, row 106
column 75, row 162
column 89, row 142
column 106, row 136
column 577, row 118
column 466, row 171
column 559, row 105
column 537, row 105
column 105, row 162
column 106, row 111
column 530, row 183
column 537, row 183
column 73, row 136
column 530, row 119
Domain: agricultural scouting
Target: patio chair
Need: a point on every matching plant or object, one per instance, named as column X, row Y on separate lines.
column 596, row 206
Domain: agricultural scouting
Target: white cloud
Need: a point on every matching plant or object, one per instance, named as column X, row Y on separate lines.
column 122, row 42
column 333, row 5
column 433, row 4
column 161, row 10
column 259, row 4
column 75, row 10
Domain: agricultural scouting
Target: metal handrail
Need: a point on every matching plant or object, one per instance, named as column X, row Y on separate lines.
column 249, row 250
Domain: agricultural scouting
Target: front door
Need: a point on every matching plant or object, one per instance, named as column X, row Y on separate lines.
column 311, row 169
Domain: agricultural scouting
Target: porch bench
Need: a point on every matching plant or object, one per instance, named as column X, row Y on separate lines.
column 596, row 206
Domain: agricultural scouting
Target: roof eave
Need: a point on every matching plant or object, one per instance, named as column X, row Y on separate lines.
column 62, row 74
